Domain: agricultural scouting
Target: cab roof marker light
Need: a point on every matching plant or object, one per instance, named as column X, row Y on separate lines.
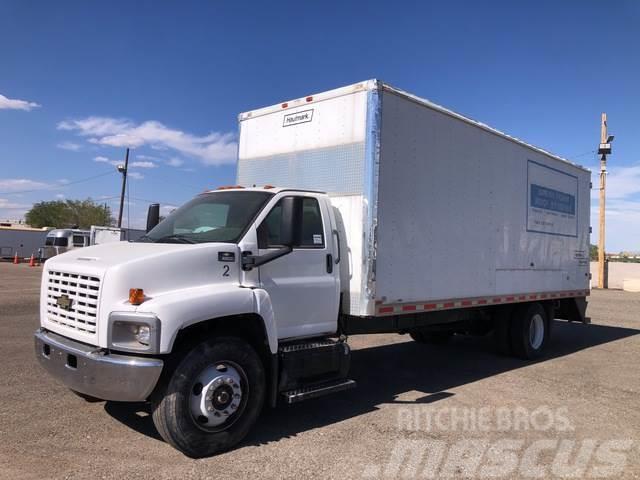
column 285, row 105
column 309, row 99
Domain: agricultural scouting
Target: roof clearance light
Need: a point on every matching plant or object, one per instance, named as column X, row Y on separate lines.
column 136, row 296
column 268, row 187
column 285, row 105
column 309, row 99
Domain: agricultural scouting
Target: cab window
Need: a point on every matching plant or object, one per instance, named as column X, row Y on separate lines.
column 311, row 231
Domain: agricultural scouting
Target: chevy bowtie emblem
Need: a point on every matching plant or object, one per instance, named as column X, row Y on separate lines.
column 64, row 302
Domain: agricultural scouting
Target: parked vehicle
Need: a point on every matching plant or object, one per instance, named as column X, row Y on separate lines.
column 61, row 240
column 392, row 214
column 20, row 239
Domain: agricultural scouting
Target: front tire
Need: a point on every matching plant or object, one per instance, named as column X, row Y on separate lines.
column 212, row 399
column 529, row 331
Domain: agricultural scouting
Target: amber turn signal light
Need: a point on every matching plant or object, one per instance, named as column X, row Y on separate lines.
column 136, row 296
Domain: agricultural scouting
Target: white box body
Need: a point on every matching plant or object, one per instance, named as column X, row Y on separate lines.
column 435, row 206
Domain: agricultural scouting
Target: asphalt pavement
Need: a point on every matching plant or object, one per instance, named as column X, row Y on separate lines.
column 419, row 411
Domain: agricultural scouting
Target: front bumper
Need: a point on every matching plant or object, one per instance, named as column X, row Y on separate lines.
column 94, row 372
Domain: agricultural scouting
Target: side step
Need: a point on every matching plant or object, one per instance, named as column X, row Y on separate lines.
column 305, row 393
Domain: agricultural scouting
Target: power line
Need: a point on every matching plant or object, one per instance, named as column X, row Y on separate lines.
column 583, row 154
column 51, row 187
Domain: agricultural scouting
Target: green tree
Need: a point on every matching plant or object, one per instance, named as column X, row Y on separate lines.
column 593, row 252
column 61, row 214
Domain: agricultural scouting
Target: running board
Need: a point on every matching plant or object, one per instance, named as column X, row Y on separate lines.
column 306, row 393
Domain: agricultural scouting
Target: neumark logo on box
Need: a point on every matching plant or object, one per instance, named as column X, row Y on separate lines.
column 298, row 117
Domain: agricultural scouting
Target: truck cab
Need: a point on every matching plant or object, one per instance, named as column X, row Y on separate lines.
column 255, row 269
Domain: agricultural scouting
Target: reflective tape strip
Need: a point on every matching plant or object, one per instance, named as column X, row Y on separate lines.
column 392, row 309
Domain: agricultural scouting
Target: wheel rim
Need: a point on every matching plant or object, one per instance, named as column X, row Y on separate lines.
column 218, row 396
column 536, row 331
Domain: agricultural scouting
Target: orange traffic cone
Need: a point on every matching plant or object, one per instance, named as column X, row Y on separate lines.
column 32, row 261
column 16, row 260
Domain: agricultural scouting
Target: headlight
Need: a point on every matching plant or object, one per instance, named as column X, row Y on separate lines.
column 143, row 334
column 134, row 332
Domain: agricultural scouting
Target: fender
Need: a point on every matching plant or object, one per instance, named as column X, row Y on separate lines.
column 181, row 308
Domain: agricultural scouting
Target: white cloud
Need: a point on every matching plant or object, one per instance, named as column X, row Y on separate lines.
column 148, row 157
column 213, row 149
column 136, row 175
column 7, row 204
column 145, row 164
column 175, row 162
column 167, row 209
column 19, row 184
column 59, row 195
column 622, row 208
column 74, row 147
column 621, row 182
column 101, row 159
column 14, row 104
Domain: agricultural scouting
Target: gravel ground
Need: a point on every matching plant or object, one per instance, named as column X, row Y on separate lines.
column 588, row 385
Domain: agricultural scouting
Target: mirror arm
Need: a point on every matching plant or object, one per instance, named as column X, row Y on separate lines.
column 251, row 261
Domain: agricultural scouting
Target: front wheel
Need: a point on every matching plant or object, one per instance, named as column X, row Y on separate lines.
column 212, row 399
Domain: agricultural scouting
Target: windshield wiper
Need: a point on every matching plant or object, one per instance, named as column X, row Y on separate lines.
column 176, row 238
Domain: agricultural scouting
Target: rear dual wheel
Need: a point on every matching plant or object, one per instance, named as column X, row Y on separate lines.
column 529, row 331
column 524, row 332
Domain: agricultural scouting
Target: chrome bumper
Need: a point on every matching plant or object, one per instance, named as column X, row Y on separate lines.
column 91, row 371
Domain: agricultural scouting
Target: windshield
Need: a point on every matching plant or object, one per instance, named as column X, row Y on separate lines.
column 211, row 217
column 57, row 241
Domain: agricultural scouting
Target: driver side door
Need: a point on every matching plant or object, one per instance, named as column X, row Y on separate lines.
column 304, row 284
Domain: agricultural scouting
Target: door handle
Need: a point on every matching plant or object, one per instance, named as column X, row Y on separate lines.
column 329, row 263
column 337, row 234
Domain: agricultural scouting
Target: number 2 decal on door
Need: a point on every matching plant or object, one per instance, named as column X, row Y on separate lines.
column 225, row 270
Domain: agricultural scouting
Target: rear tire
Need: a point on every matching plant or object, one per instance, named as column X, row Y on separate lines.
column 212, row 399
column 529, row 331
column 433, row 338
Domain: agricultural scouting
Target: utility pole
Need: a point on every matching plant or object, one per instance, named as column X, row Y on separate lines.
column 603, row 151
column 123, row 171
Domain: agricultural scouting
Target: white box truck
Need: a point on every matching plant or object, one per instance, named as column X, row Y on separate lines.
column 360, row 210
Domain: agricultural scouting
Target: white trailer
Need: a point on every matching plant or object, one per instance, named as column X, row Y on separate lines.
column 99, row 235
column 21, row 240
column 440, row 211
column 391, row 214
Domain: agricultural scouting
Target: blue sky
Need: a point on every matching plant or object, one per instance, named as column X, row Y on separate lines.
column 80, row 79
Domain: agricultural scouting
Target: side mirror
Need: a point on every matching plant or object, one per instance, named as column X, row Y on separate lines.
column 289, row 225
column 153, row 216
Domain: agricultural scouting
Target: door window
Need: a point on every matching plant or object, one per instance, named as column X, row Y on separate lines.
column 311, row 231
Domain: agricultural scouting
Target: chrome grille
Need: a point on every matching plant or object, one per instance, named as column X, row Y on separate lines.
column 83, row 292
